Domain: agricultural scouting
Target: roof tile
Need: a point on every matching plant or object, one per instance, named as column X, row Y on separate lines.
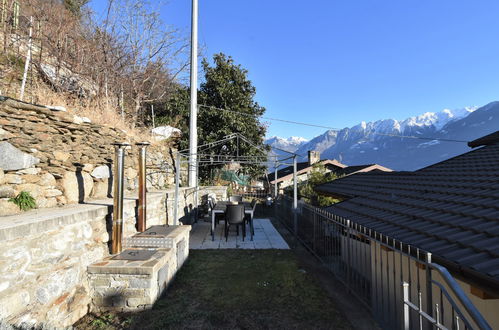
column 450, row 208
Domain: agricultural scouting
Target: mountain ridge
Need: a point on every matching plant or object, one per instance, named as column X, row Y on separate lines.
column 370, row 142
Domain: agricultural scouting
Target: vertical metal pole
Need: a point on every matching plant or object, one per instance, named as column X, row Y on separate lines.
column 275, row 181
column 193, row 135
column 177, row 184
column 28, row 59
column 429, row 291
column 295, row 185
column 142, row 221
column 118, row 196
column 152, row 115
column 406, row 307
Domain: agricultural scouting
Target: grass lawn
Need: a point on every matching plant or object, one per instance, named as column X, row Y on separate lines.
column 234, row 289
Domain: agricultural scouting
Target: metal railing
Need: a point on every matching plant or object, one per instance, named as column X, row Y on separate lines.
column 385, row 274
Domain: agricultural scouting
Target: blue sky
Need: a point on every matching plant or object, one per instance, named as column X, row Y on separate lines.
column 336, row 63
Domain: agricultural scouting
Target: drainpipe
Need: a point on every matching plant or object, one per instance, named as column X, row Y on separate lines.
column 118, row 196
column 141, row 225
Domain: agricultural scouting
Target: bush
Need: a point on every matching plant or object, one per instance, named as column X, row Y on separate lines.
column 24, row 201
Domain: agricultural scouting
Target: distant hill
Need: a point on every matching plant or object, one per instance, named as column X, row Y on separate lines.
column 370, row 142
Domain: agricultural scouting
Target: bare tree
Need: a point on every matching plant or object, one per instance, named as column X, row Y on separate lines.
column 152, row 50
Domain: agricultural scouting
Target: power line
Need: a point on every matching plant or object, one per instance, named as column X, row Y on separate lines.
column 270, row 118
column 328, row 127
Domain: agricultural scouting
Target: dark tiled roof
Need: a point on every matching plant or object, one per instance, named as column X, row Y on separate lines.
column 288, row 170
column 450, row 209
column 485, row 140
column 352, row 169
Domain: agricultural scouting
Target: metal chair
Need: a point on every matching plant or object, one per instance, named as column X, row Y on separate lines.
column 249, row 218
column 235, row 198
column 234, row 215
column 218, row 216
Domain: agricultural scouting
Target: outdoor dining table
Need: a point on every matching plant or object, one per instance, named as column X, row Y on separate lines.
column 220, row 208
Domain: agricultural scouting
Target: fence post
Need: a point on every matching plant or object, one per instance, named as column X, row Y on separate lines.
column 314, row 237
column 177, row 184
column 429, row 294
column 406, row 307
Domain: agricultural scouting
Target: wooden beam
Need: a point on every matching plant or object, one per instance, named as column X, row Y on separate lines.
column 480, row 293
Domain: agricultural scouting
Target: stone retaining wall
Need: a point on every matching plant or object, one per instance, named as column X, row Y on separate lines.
column 63, row 159
column 44, row 256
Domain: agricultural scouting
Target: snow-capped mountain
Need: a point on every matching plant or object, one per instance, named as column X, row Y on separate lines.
column 374, row 142
column 290, row 144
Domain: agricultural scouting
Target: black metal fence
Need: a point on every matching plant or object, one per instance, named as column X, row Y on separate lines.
column 397, row 282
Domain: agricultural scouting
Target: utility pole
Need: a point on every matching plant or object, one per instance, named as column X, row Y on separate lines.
column 193, row 133
column 28, row 59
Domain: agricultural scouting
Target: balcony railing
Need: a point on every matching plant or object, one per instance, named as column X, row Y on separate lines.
column 397, row 282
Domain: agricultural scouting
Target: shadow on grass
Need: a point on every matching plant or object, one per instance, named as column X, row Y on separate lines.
column 236, row 289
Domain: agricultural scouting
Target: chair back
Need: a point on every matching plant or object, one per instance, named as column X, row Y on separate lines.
column 235, row 198
column 234, row 213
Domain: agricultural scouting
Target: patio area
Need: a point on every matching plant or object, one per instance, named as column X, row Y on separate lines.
column 266, row 237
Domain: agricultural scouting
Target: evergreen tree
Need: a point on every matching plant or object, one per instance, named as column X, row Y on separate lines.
column 227, row 87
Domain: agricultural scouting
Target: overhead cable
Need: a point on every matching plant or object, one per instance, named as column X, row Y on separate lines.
column 328, row 127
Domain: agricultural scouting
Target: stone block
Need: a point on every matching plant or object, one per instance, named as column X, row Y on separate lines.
column 136, row 302
column 14, row 303
column 30, row 171
column 47, row 180
column 13, row 179
column 101, row 189
column 8, row 208
column 61, row 156
column 7, row 192
column 88, row 167
column 2, row 176
column 140, row 283
column 70, row 186
column 14, row 159
column 52, row 192
column 88, row 184
column 35, row 190
column 130, row 173
column 102, row 172
column 31, row 178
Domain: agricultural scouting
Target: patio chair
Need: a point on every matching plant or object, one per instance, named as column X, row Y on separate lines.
column 249, row 218
column 235, row 198
column 218, row 216
column 234, row 215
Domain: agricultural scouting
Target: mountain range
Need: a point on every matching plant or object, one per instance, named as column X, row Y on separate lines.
column 381, row 142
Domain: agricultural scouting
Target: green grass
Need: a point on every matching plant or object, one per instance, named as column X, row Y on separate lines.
column 238, row 289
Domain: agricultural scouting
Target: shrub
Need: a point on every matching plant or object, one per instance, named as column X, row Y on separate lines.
column 24, row 201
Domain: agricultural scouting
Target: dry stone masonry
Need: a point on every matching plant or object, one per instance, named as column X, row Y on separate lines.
column 63, row 159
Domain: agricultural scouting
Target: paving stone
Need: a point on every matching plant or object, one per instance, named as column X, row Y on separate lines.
column 266, row 237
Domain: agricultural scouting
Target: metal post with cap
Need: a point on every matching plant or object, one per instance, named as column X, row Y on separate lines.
column 141, row 223
column 118, row 184
column 193, row 129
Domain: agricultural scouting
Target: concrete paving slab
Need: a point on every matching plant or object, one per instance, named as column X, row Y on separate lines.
column 266, row 237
